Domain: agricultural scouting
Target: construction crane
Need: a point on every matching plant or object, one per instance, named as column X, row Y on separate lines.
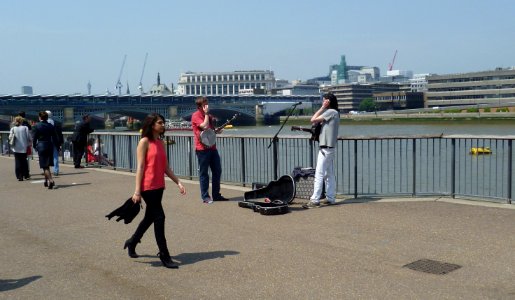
column 140, row 87
column 390, row 65
column 119, row 83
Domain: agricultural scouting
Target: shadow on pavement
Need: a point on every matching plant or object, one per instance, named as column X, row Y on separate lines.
column 11, row 284
column 63, row 186
column 191, row 258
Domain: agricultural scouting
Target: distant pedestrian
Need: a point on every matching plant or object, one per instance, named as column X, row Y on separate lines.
column 44, row 138
column 79, row 140
column 329, row 116
column 57, row 148
column 22, row 141
column 25, row 122
column 152, row 165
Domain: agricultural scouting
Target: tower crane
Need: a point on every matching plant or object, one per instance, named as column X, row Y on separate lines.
column 140, row 87
column 390, row 65
column 119, row 83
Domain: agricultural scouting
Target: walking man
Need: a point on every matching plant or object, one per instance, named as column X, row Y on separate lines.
column 329, row 116
column 79, row 140
column 57, row 147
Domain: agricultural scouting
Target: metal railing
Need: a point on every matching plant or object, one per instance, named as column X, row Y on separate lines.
column 365, row 166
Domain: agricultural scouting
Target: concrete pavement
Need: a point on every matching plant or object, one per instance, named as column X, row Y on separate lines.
column 57, row 244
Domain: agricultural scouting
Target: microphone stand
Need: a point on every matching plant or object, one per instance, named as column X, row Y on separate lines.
column 275, row 139
column 284, row 123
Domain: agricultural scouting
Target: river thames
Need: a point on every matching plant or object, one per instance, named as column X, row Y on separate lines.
column 382, row 128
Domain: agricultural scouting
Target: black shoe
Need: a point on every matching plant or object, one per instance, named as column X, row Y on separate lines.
column 20, row 179
column 79, row 167
column 51, row 185
column 132, row 248
column 167, row 261
column 221, row 198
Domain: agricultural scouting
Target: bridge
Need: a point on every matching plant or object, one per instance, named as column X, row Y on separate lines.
column 69, row 108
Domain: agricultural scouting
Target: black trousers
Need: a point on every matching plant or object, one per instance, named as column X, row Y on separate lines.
column 154, row 213
column 78, row 153
column 21, row 165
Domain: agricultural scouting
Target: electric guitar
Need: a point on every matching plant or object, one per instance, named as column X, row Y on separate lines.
column 208, row 135
column 314, row 130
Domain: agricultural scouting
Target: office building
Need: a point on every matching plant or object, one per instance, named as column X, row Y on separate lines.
column 495, row 87
column 26, row 90
column 224, row 83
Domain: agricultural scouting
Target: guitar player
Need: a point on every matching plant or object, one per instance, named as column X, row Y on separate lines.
column 329, row 117
column 208, row 157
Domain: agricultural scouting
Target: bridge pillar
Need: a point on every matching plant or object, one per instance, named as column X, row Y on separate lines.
column 260, row 118
column 68, row 119
column 172, row 112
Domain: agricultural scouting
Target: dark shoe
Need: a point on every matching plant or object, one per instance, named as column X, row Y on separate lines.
column 45, row 183
column 20, row 179
column 167, row 261
column 311, row 204
column 51, row 185
column 221, row 198
column 132, row 248
column 327, row 202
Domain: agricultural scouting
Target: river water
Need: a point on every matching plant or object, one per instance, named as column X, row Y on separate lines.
column 380, row 128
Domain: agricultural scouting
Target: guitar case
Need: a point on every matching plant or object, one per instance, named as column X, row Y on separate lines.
column 272, row 199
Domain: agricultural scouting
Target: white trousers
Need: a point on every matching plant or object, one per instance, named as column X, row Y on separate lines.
column 324, row 174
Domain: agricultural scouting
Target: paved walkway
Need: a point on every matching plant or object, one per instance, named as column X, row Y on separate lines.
column 57, row 244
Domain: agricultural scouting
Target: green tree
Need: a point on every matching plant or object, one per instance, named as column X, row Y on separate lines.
column 367, row 104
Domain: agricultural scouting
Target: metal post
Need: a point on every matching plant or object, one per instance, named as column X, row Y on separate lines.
column 355, row 169
column 243, row 170
column 130, row 153
column 168, row 149
column 510, row 170
column 190, row 152
column 275, row 158
column 414, row 192
column 311, row 154
column 114, row 152
column 453, row 168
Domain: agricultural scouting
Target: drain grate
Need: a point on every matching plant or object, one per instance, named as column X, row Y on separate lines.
column 432, row 266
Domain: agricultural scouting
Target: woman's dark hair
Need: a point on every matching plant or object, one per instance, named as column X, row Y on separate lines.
column 148, row 123
column 91, row 141
column 43, row 115
column 333, row 102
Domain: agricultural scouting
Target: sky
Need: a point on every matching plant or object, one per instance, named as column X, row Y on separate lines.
column 58, row 46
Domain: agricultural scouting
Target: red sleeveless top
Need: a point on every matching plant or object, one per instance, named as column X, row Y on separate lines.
column 155, row 166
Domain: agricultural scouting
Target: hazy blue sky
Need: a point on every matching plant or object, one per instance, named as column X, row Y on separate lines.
column 57, row 46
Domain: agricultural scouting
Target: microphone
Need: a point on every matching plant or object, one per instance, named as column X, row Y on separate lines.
column 298, row 103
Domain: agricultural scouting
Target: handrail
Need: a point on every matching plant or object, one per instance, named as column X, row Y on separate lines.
column 411, row 165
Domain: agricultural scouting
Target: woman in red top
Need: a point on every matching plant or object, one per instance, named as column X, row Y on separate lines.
column 150, row 184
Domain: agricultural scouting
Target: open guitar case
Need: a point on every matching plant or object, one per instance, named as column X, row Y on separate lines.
column 272, row 199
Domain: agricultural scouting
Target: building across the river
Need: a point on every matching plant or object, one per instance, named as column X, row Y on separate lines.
column 495, row 87
column 224, row 83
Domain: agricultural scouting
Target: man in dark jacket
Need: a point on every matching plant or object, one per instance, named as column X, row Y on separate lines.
column 79, row 140
column 57, row 145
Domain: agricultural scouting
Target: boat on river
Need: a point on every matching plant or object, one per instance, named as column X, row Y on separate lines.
column 480, row 150
column 177, row 125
